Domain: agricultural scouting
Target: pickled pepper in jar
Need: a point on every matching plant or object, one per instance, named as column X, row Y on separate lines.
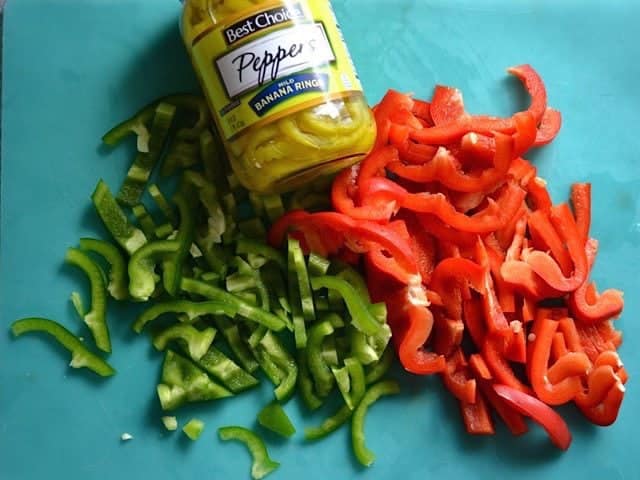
column 282, row 88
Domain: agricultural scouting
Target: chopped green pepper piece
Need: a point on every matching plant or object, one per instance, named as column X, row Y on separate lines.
column 237, row 282
column 162, row 203
column 330, row 351
column 181, row 154
column 331, row 424
column 379, row 369
column 118, row 268
column 248, row 246
column 183, row 381
column 192, row 310
column 146, row 159
column 197, row 341
column 256, row 261
column 319, row 369
column 80, row 355
column 172, row 264
column 250, row 312
column 231, row 334
column 278, row 355
column 351, row 381
column 128, row 236
column 273, row 207
column 170, row 423
column 95, row 318
column 262, row 465
column 302, row 276
column 193, row 429
column 318, row 266
column 221, row 367
column 294, row 300
column 145, row 221
column 78, row 305
column 354, row 279
column 142, row 278
column 334, row 319
column 274, row 418
column 369, row 348
column 362, row 453
column 257, row 335
column 361, row 317
column 163, row 231
column 305, row 383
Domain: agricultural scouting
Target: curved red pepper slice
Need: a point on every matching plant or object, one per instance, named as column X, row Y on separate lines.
column 539, row 412
column 599, row 383
column 374, row 164
column 423, row 246
column 535, row 86
column 608, row 304
column 494, row 316
column 344, row 190
column 493, row 217
column 545, row 238
column 447, row 105
column 474, row 321
column 454, row 131
column 499, row 366
column 607, row 411
column 416, row 153
column 458, row 379
column 581, row 203
column 444, row 232
column 422, row 110
column 536, row 189
column 449, row 275
column 390, row 103
column 549, row 127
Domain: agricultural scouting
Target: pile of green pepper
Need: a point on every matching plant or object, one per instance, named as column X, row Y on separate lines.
column 306, row 322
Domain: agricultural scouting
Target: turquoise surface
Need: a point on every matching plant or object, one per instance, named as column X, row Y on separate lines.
column 72, row 68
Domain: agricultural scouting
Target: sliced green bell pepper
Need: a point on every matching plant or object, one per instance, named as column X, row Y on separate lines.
column 142, row 277
column 262, row 465
column 274, row 418
column 192, row 310
column 117, row 286
column 197, row 342
column 221, row 367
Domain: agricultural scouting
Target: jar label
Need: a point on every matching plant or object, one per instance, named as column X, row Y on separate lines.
column 273, row 61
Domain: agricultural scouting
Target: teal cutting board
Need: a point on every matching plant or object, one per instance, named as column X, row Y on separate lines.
column 72, row 68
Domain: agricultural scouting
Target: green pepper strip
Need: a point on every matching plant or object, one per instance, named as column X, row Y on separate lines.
column 302, row 276
column 145, row 221
column 252, row 313
column 317, row 366
column 261, row 465
column 231, row 334
column 274, row 418
column 379, row 369
column 221, row 367
column 361, row 317
column 80, row 355
column 318, row 266
column 192, row 310
column 118, row 268
column 172, row 264
column 163, row 231
column 145, row 161
column 183, row 381
column 356, row 281
column 128, row 236
column 294, row 300
column 305, row 383
column 330, row 425
column 246, row 246
column 95, row 318
column 142, row 279
column 362, row 453
column 369, row 348
column 330, row 352
column 162, row 203
column 352, row 387
column 257, row 335
column 284, row 361
column 197, row 341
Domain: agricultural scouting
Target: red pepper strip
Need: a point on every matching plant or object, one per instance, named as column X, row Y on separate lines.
column 413, row 323
column 573, row 364
column 457, row 378
column 422, row 110
column 416, row 153
column 504, row 236
column 610, row 358
column 566, row 388
column 504, row 292
column 549, row 127
column 398, row 135
column 342, row 195
column 405, row 117
column 515, row 248
column 512, row 419
column 423, row 246
column 525, row 135
column 474, row 321
column 547, row 268
column 454, row 131
column 599, row 382
column 570, row 334
column 535, row 86
column 558, row 346
column 444, row 232
column 476, row 417
column 447, row 334
column 493, row 217
column 581, row 203
column 391, row 102
column 523, row 279
column 445, row 168
column 522, row 171
column 528, row 309
column 500, row 368
column 374, row 164
column 449, row 275
column 606, row 412
column 466, row 201
column 479, row 148
column 494, row 316
column 537, row 191
column 539, row 412
column 516, row 350
column 545, row 238
column 607, row 305
column 447, row 105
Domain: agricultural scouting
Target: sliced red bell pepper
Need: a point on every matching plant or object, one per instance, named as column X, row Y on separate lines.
column 480, row 149
column 604, row 306
column 535, row 86
column 476, row 417
column 474, row 321
column 423, row 246
column 538, row 194
column 522, row 171
column 499, row 366
column 447, row 335
column 558, row 346
column 549, row 127
column 539, row 412
column 458, row 379
column 344, row 191
column 581, row 203
column 607, row 411
column 444, row 232
column 494, row 316
column 374, row 164
column 516, row 349
column 447, row 105
column 545, row 238
column 449, row 275
column 390, row 103
column 422, row 110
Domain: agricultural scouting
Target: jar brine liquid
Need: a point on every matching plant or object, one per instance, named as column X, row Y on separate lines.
column 281, row 86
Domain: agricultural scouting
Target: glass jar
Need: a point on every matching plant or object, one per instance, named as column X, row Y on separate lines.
column 281, row 86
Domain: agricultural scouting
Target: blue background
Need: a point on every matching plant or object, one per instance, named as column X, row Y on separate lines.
column 72, row 68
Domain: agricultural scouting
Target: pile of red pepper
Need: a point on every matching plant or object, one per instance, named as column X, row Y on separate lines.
column 485, row 280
